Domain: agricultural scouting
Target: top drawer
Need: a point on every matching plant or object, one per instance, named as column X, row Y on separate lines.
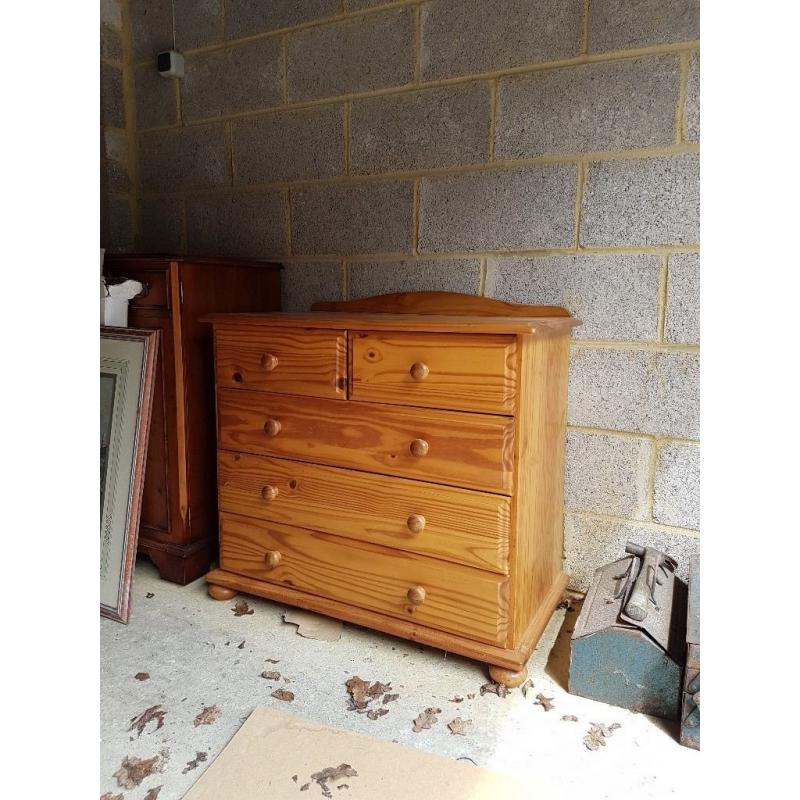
column 306, row 362
column 461, row 372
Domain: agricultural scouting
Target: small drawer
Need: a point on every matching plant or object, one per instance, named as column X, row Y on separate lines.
column 450, row 447
column 155, row 293
column 461, row 372
column 454, row 524
column 301, row 361
column 449, row 597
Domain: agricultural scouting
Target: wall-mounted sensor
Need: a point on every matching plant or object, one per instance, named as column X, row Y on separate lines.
column 170, row 64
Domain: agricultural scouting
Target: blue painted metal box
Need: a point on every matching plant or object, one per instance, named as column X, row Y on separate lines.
column 629, row 643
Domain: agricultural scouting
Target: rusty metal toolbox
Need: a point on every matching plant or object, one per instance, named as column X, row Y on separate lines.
column 690, row 712
column 629, row 643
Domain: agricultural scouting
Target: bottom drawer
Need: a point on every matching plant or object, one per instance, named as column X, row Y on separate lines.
column 446, row 596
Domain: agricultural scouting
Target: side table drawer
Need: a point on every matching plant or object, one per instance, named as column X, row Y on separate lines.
column 445, row 596
column 455, row 371
column 448, row 447
column 305, row 362
column 454, row 524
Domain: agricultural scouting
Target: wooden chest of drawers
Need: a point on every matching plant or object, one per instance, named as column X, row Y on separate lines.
column 398, row 462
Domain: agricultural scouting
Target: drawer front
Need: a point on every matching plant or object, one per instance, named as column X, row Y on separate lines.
column 471, row 450
column 447, row 596
column 462, row 372
column 455, row 524
column 306, row 362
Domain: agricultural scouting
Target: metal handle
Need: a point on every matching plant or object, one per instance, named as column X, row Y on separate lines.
column 418, row 448
column 419, row 371
column 269, row 493
column 269, row 361
column 416, row 595
column 272, row 427
column 416, row 523
column 272, row 558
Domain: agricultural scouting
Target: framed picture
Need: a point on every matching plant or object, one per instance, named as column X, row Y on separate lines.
column 127, row 372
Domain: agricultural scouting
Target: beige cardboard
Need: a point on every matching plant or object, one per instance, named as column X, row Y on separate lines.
column 272, row 746
column 314, row 626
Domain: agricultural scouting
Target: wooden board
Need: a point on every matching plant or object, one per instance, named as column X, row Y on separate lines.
column 282, row 360
column 456, row 598
column 468, row 373
column 461, row 449
column 273, row 746
column 438, row 323
column 462, row 526
column 539, row 541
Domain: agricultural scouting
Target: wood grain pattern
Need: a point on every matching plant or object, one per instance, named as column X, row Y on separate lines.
column 456, row 598
column 461, row 526
column 179, row 508
column 539, row 539
column 433, row 323
column 469, row 373
column 289, row 361
column 460, row 449
column 513, row 656
column 452, row 303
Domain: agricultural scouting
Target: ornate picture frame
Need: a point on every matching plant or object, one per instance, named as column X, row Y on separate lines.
column 127, row 375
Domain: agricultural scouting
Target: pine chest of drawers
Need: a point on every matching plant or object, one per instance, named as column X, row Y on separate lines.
column 397, row 462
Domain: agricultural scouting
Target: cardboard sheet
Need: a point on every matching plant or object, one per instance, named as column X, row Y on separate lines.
column 272, row 746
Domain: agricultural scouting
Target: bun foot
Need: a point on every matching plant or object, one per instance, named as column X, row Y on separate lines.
column 221, row 592
column 508, row 677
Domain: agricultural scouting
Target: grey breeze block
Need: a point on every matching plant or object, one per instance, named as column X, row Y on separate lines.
column 245, row 77
column 248, row 17
column 368, row 52
column 305, row 283
column 642, row 391
column 607, row 474
column 350, row 219
column 611, row 106
column 590, row 542
column 183, row 158
column 416, row 130
column 156, row 98
column 622, row 24
column 644, row 201
column 512, row 209
column 691, row 108
column 676, row 499
column 592, row 287
column 462, row 37
column 243, row 224
column 682, row 319
column 289, row 145
column 197, row 23
column 161, row 225
column 385, row 277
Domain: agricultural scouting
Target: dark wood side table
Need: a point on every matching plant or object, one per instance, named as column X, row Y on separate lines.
column 179, row 528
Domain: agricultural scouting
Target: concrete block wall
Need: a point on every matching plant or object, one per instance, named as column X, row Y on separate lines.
column 537, row 151
column 117, row 137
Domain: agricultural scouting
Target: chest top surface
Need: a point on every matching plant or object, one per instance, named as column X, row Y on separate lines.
column 435, row 312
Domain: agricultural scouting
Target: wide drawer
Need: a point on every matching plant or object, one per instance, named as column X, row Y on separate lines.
column 455, row 524
column 304, row 361
column 462, row 372
column 455, row 448
column 445, row 596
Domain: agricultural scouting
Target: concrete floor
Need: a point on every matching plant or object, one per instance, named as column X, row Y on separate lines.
column 190, row 646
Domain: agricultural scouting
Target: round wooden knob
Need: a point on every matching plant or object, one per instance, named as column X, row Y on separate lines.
column 269, row 361
column 419, row 448
column 416, row 523
column 272, row 427
column 416, row 595
column 272, row 558
column 269, row 493
column 419, row 371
